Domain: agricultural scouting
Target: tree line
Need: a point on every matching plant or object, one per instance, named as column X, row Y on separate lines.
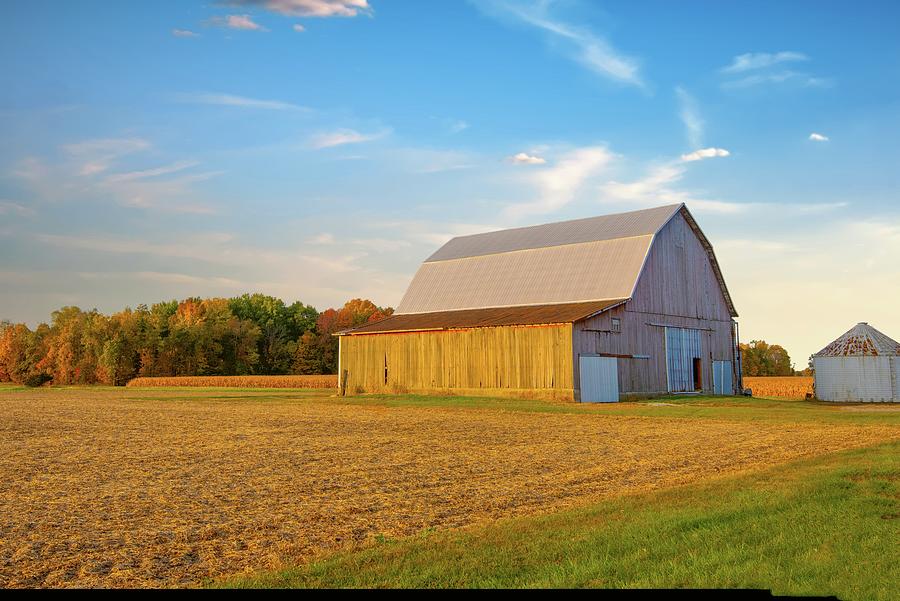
column 758, row 358
column 250, row 334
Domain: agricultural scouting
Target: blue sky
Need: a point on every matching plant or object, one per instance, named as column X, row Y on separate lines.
column 318, row 150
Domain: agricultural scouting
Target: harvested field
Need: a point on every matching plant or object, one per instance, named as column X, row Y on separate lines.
column 787, row 387
column 125, row 487
column 325, row 381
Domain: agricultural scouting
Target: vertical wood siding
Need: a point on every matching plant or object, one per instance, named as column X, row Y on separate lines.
column 677, row 288
column 507, row 358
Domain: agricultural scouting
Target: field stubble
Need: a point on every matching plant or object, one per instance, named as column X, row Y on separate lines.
column 104, row 490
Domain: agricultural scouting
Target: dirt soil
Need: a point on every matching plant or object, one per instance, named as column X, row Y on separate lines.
column 102, row 490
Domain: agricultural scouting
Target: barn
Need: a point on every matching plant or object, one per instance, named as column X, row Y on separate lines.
column 630, row 305
column 862, row 365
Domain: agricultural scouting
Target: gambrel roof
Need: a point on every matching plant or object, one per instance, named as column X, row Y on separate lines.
column 593, row 262
column 593, row 259
column 598, row 258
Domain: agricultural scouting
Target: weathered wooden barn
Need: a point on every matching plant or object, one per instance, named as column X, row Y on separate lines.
column 862, row 365
column 595, row 310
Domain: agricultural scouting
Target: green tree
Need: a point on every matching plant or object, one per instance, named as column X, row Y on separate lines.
column 759, row 358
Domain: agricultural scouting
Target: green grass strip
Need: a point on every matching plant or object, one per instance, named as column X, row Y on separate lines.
column 825, row 526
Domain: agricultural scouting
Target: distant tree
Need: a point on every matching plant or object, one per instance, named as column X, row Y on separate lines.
column 759, row 358
column 354, row 313
column 280, row 327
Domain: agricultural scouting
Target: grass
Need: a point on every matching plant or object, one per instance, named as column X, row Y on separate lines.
column 827, row 526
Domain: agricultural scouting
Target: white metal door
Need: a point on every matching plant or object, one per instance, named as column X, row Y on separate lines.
column 722, row 378
column 599, row 379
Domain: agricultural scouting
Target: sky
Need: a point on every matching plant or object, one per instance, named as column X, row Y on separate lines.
column 319, row 150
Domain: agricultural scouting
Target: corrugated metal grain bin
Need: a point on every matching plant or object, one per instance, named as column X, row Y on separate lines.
column 863, row 365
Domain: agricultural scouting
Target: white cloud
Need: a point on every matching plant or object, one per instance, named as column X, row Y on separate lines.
column 184, row 33
column 344, row 136
column 558, row 185
column 801, row 79
column 761, row 60
column 98, row 155
column 690, row 116
column 244, row 22
column 238, row 101
column 704, row 153
column 308, row 8
column 8, row 207
column 323, row 238
column 147, row 173
column 523, row 158
column 592, row 51
column 298, row 28
column 818, row 137
column 458, row 126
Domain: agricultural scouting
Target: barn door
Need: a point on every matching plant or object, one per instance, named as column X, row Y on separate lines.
column 722, row 378
column 599, row 379
column 682, row 349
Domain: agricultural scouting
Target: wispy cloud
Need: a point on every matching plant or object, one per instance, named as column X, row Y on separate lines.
column 761, row 68
column 341, row 137
column 523, row 158
column 818, row 137
column 704, row 153
column 244, row 22
column 298, row 28
column 801, row 79
column 238, row 101
column 558, row 184
column 146, row 173
column 458, row 126
column 690, row 116
column 8, row 207
column 660, row 185
column 97, row 155
column 308, row 8
column 761, row 60
column 586, row 47
column 184, row 33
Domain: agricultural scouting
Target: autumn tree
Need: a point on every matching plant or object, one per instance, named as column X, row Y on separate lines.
column 762, row 359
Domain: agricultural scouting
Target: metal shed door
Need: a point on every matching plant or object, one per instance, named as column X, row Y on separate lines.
column 722, row 378
column 599, row 379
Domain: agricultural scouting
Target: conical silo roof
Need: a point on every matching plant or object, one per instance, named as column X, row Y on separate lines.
column 861, row 340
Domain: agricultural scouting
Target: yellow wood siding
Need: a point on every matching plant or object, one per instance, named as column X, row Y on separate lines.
column 512, row 359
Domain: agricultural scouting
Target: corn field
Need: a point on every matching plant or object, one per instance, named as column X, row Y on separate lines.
column 786, row 387
column 323, row 381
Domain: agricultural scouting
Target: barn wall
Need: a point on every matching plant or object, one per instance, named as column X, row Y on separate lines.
column 643, row 334
column 678, row 278
column 677, row 288
column 521, row 360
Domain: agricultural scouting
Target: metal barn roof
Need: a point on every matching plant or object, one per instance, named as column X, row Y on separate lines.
column 594, row 259
column 861, row 340
column 480, row 318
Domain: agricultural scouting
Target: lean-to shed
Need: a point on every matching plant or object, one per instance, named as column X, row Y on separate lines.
column 863, row 365
column 596, row 309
